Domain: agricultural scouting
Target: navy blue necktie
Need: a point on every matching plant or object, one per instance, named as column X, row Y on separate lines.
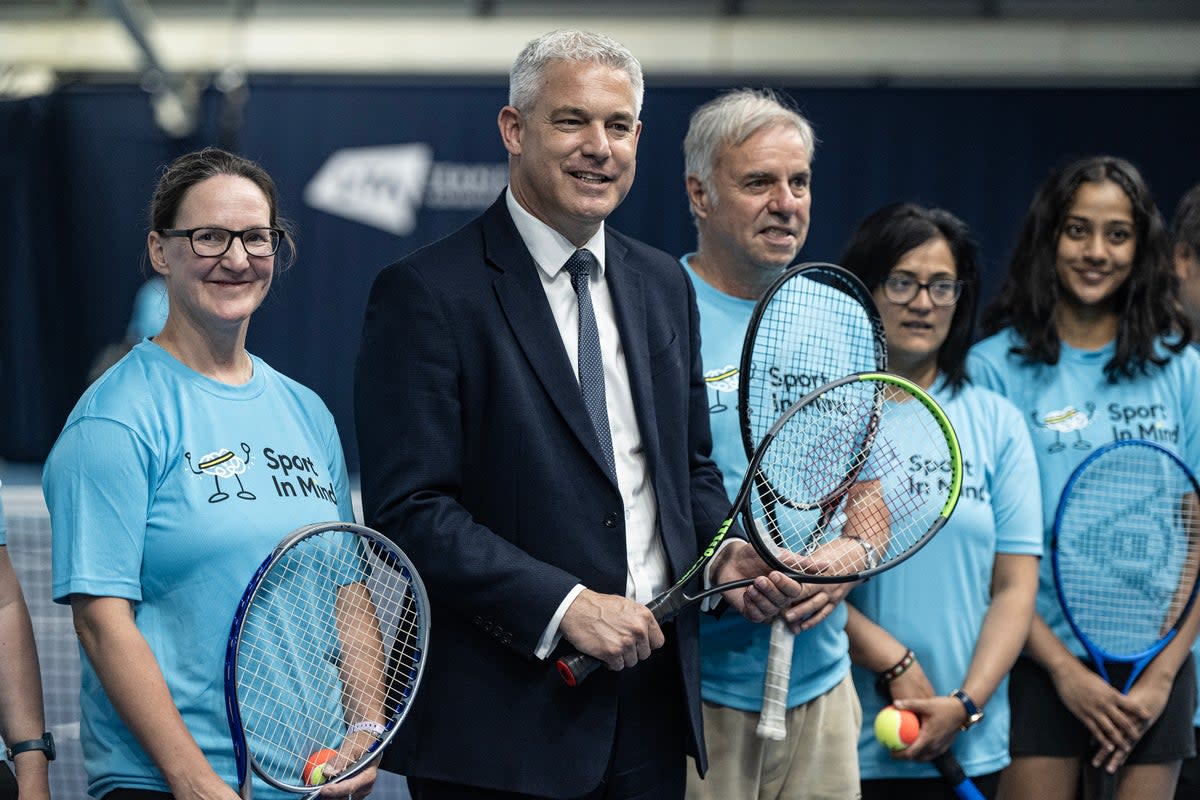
column 591, row 362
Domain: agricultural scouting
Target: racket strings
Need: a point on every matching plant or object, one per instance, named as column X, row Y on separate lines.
column 813, row 330
column 1126, row 547
column 333, row 637
column 864, row 462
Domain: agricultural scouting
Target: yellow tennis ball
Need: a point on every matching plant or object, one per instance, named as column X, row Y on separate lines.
column 896, row 728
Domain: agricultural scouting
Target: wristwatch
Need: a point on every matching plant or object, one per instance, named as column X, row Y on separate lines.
column 974, row 712
column 45, row 744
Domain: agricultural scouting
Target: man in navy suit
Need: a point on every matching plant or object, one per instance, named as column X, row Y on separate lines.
column 533, row 430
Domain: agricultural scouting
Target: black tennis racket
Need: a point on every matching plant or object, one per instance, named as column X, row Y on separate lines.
column 325, row 653
column 815, row 323
column 1125, row 552
column 805, row 456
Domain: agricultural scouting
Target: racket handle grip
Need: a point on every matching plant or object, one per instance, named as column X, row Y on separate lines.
column 953, row 774
column 573, row 669
column 772, row 722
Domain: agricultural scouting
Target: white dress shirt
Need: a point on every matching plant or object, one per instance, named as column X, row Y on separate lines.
column 647, row 570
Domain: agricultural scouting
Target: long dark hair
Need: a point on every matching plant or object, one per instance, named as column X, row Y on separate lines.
column 886, row 235
column 1147, row 302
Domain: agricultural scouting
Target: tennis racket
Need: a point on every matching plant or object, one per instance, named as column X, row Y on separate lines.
column 952, row 772
column 325, row 654
column 886, row 515
column 815, row 323
column 1125, row 552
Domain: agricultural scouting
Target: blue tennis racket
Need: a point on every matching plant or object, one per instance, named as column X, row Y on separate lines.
column 325, row 654
column 1125, row 551
column 952, row 773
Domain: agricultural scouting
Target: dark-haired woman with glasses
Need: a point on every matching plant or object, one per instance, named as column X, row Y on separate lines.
column 175, row 475
column 1088, row 340
column 939, row 635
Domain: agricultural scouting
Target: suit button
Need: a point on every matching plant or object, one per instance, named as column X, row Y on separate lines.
column 611, row 520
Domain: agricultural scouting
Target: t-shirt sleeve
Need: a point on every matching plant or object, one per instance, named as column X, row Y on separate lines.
column 1016, row 490
column 1190, row 446
column 97, row 488
column 983, row 368
column 341, row 479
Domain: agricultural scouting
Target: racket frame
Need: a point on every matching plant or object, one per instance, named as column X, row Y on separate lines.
column 759, row 354
column 952, row 773
column 826, row 275
column 386, row 551
column 1099, row 655
column 668, row 603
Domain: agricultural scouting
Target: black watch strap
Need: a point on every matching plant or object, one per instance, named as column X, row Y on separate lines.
column 974, row 713
column 45, row 744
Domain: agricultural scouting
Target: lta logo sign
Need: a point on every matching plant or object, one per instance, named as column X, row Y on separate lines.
column 385, row 187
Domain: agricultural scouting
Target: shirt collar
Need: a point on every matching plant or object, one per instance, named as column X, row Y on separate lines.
column 549, row 248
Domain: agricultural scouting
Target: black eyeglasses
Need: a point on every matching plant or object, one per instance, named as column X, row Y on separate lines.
column 211, row 242
column 900, row 289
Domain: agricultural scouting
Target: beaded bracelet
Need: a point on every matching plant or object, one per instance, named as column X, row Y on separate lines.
column 891, row 673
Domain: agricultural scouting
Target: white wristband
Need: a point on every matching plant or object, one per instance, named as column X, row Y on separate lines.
column 869, row 551
column 373, row 727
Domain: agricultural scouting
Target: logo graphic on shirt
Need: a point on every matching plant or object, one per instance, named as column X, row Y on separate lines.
column 1066, row 420
column 223, row 463
column 723, row 380
column 1138, row 419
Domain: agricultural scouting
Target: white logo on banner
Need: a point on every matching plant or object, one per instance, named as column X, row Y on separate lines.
column 386, row 186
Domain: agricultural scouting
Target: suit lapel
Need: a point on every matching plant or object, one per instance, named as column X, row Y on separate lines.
column 523, row 300
column 625, row 284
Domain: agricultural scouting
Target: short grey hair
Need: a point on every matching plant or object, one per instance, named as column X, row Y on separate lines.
column 731, row 119
column 525, row 79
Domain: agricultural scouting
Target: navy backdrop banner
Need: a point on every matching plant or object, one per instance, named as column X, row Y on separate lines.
column 370, row 169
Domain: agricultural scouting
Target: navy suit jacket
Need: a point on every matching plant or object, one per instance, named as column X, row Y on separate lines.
column 479, row 459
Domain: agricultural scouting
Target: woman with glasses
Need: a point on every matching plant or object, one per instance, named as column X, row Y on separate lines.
column 939, row 634
column 174, row 477
column 1088, row 340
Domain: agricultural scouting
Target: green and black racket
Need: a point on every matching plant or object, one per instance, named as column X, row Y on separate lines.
column 858, row 425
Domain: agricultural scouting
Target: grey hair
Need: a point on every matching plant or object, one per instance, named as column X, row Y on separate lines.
column 731, row 119
column 525, row 79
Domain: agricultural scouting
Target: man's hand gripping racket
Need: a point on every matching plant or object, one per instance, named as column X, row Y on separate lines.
column 797, row 509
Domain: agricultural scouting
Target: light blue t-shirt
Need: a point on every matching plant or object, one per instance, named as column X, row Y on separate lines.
column 1196, row 645
column 1071, row 409
column 936, row 601
column 168, row 489
column 733, row 651
column 150, row 306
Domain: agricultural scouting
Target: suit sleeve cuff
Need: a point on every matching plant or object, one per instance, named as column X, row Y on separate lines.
column 550, row 636
column 711, row 602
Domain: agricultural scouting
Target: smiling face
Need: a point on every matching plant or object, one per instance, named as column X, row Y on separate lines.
column 755, row 218
column 916, row 330
column 1096, row 246
column 573, row 154
column 214, row 295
